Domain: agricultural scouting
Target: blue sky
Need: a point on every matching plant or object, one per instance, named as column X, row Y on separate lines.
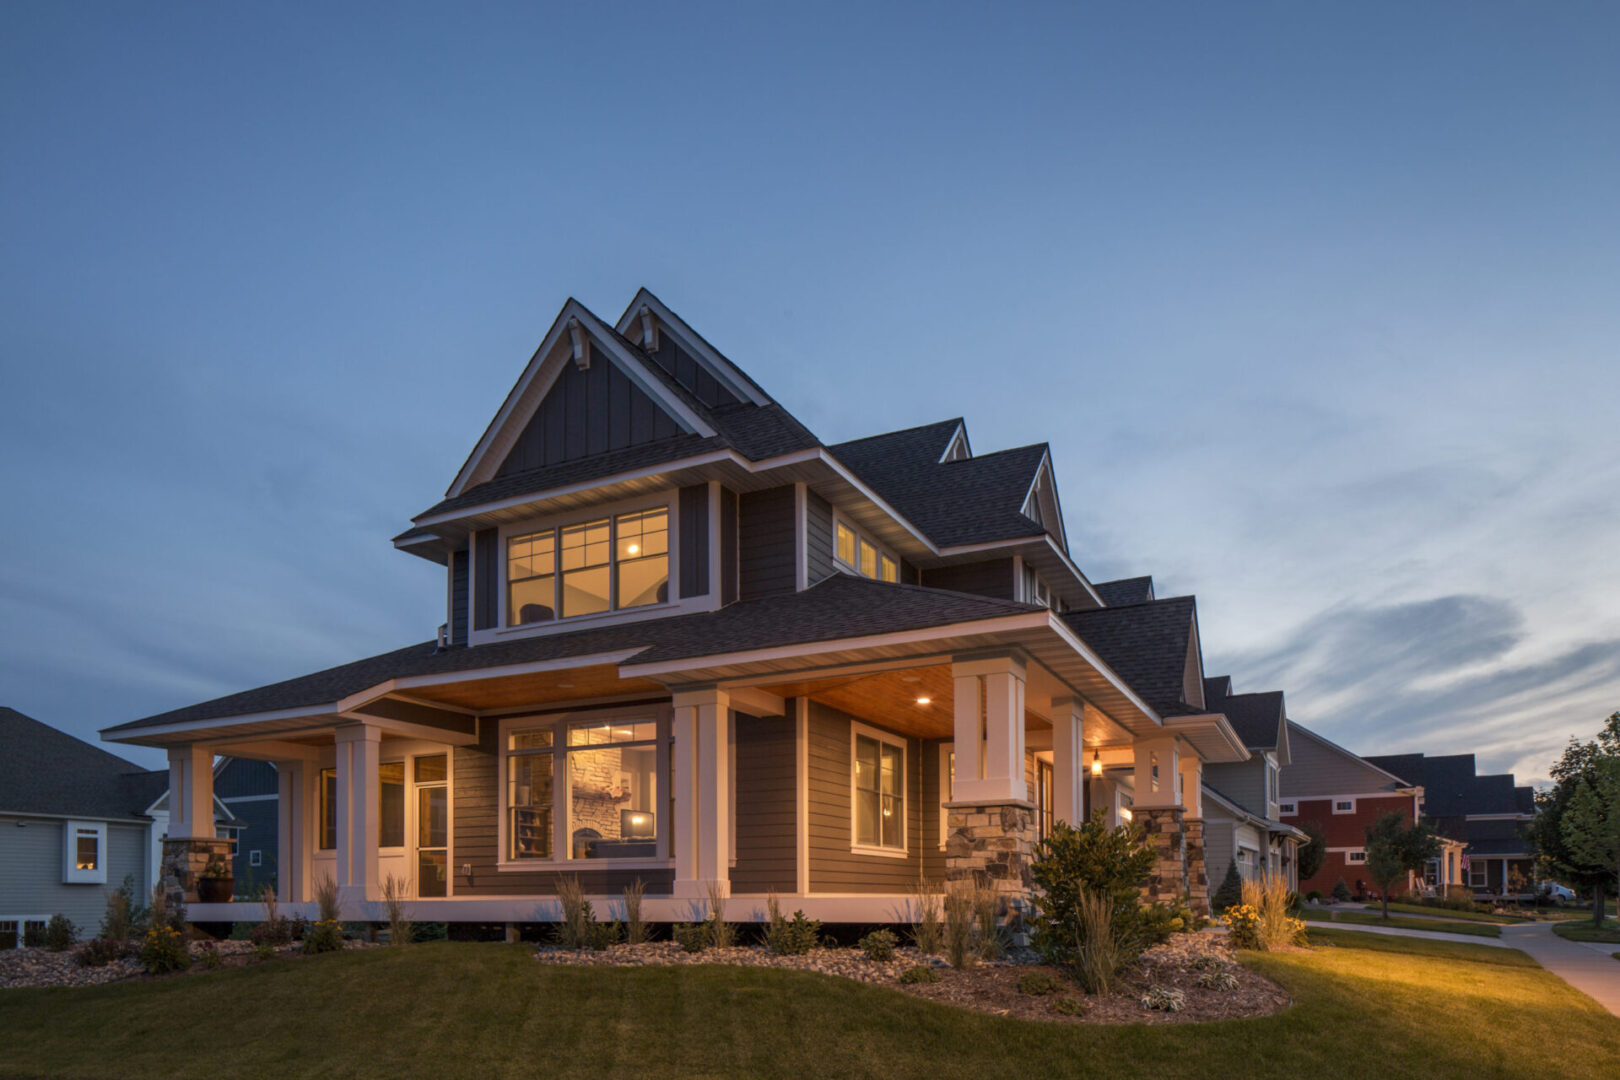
column 1315, row 305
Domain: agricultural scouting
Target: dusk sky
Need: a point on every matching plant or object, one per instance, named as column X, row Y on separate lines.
column 1317, row 308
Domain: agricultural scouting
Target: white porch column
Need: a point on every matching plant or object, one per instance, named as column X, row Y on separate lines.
column 1157, row 761
column 989, row 701
column 292, row 846
column 1192, row 786
column 1068, row 760
column 191, row 792
column 358, row 750
column 703, row 807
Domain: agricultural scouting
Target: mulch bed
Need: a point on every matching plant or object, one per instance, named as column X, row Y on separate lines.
column 992, row 987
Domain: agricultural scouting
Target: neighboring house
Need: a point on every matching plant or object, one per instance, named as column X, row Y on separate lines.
column 1343, row 793
column 1242, row 823
column 688, row 643
column 1489, row 814
column 73, row 824
column 247, row 789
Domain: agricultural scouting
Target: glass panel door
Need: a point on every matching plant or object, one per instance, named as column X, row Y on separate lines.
column 432, row 827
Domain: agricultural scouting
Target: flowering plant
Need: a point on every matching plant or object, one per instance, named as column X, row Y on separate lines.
column 164, row 950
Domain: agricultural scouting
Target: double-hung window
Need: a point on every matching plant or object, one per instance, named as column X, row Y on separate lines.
column 610, row 564
column 529, row 794
column 84, row 858
column 879, row 792
column 862, row 556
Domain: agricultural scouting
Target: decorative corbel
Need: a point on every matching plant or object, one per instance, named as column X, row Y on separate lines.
column 582, row 346
column 649, row 330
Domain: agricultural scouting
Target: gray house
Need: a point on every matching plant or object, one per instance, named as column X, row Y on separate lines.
column 1243, row 799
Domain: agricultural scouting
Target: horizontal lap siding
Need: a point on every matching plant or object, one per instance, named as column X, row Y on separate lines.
column 818, row 524
column 767, row 849
column 31, row 863
column 767, row 529
column 933, row 853
column 477, row 806
column 833, row 867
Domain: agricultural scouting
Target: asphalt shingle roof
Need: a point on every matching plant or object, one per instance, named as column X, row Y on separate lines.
column 1146, row 644
column 1125, row 591
column 839, row 607
column 1257, row 718
column 46, row 771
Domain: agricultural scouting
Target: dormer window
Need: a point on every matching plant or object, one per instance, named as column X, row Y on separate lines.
column 610, row 564
column 859, row 555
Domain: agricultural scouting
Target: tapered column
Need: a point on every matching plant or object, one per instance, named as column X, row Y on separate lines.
column 292, row 845
column 703, row 804
column 358, row 806
column 1068, row 760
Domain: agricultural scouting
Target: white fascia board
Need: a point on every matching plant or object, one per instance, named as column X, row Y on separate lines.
column 562, row 663
column 1217, row 724
column 1073, row 641
column 133, row 735
column 727, row 373
column 959, row 435
column 1032, row 492
column 635, row 370
column 993, row 625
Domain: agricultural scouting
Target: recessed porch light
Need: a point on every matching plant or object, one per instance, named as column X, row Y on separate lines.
column 925, row 700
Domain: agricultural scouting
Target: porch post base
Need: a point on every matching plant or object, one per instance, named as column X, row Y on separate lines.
column 1197, row 876
column 184, row 860
column 993, row 844
column 1165, row 834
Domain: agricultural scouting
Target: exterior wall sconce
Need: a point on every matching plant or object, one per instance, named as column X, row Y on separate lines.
column 1096, row 763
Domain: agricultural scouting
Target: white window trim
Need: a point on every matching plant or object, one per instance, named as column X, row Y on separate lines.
column 857, row 729
column 1336, row 802
column 71, row 874
column 861, row 536
column 255, row 858
column 946, row 749
column 1351, row 857
column 559, row 722
column 1287, row 807
column 668, row 499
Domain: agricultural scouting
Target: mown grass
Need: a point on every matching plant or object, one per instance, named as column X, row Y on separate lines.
column 1448, row 913
column 1585, row 931
column 1399, row 922
column 1390, row 1007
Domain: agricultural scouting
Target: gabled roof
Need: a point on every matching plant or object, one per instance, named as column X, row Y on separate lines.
column 1242, row 813
column 1447, row 780
column 1147, row 645
column 839, row 607
column 974, row 500
column 46, row 771
column 1257, row 718
column 1343, row 772
column 1125, row 591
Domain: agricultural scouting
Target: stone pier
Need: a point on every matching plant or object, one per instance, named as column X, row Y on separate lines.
column 1167, row 882
column 994, row 843
column 1197, row 877
column 184, row 859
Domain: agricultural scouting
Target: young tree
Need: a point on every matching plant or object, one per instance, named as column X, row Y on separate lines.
column 1313, row 852
column 1577, row 767
column 1395, row 849
column 1230, row 892
column 1591, row 826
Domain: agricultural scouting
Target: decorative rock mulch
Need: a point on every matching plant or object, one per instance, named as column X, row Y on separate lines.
column 992, row 987
column 41, row 967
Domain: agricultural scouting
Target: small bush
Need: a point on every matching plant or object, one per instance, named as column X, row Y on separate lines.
column 1099, row 952
column 124, row 918
column 263, row 950
column 1039, row 983
column 1156, row 922
column 1207, row 962
column 879, row 945
column 790, row 937
column 1217, row 980
column 691, row 937
column 993, row 937
column 33, row 936
column 928, row 934
column 325, row 935
column 1263, row 921
column 273, row 932
column 431, row 931
column 210, row 957
column 604, row 935
column 1341, row 892
column 60, row 933
column 922, row 973
column 635, row 931
column 1313, row 896
column 326, row 898
column 165, row 951
column 1069, row 1005
column 1163, row 999
column 1230, row 891
column 99, row 952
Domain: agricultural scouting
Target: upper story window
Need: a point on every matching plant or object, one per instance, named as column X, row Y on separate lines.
column 84, row 860
column 610, row 564
column 859, row 554
column 1037, row 591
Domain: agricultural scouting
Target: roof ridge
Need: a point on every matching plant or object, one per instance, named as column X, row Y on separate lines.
column 897, row 431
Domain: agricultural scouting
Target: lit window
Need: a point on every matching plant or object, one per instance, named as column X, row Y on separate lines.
column 84, row 855
column 864, row 557
column 528, row 794
column 846, row 544
column 391, row 804
column 87, row 847
column 888, row 570
column 610, row 796
column 880, row 803
column 585, row 569
column 328, row 809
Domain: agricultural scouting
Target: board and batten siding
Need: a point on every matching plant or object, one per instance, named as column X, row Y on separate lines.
column 693, row 503
column 834, row 868
column 31, row 857
column 818, row 543
column 993, row 577
column 585, row 413
column 459, row 584
column 728, row 546
column 767, row 539
column 486, row 578
column 476, row 807
column 766, row 805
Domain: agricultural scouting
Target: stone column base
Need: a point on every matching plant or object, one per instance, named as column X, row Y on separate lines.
column 994, row 844
column 1197, row 876
column 184, row 859
column 1167, row 882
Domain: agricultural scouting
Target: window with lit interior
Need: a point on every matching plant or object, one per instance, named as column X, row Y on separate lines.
column 609, row 799
column 880, row 801
column 614, row 563
column 860, row 555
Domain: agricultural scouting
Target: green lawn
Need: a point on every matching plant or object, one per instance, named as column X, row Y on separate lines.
column 1401, row 922
column 1390, row 1007
column 1585, row 931
column 1447, row 913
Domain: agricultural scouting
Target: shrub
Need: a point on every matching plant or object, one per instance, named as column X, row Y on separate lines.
column 324, row 935
column 604, row 935
column 33, row 935
column 879, row 945
column 1230, row 891
column 1158, row 921
column 691, row 937
column 1098, row 954
column 1039, row 982
column 1314, row 895
column 1163, row 999
column 1092, row 861
column 1217, row 980
column 60, row 933
column 165, row 950
column 993, row 937
column 210, row 957
column 928, row 935
column 99, row 952
column 1262, row 921
column 635, row 931
column 1341, row 892
column 263, row 950
column 1207, row 962
column 399, row 915
column 1069, row 1005
column 117, row 921
column 792, row 937
column 921, row 973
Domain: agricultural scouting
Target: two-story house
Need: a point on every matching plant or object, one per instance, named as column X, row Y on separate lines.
column 1242, row 816
column 687, row 642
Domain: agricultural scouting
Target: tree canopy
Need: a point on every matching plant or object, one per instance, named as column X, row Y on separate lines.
column 1580, row 770
column 1395, row 848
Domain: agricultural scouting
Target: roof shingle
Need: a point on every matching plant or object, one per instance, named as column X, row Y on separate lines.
column 1146, row 644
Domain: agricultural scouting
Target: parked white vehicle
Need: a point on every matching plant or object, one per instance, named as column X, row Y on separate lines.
column 1558, row 894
